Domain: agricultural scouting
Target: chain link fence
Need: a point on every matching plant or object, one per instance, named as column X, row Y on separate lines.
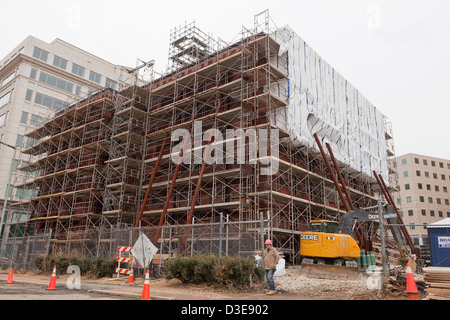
column 223, row 238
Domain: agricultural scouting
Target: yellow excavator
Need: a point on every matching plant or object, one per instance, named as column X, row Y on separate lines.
column 329, row 251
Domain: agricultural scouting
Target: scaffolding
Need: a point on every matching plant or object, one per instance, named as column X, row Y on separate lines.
column 106, row 162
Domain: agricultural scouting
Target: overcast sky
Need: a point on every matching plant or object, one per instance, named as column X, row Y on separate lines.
column 395, row 52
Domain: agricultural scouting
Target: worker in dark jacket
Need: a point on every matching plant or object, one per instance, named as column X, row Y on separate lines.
column 270, row 259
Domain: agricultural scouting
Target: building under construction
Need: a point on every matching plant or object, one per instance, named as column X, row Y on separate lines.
column 106, row 163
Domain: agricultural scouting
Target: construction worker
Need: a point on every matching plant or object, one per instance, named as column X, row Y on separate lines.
column 270, row 259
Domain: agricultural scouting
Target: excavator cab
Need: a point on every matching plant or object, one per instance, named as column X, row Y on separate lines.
column 325, row 226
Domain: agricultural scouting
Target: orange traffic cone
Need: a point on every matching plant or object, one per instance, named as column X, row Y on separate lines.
column 131, row 278
column 10, row 277
column 52, row 285
column 146, row 291
column 411, row 287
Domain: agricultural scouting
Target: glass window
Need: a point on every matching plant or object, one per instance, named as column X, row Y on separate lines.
column 3, row 120
column 422, row 199
column 429, row 187
column 427, row 174
column 424, row 212
column 78, row 70
column 416, row 160
column 405, row 174
column 408, row 200
column 28, row 95
column 403, row 161
column 410, row 213
column 40, row 54
column 93, row 76
column 5, row 99
column 33, row 73
column 436, row 188
column 435, row 175
column 430, row 200
column 56, row 82
column 443, row 176
column 9, row 78
column 418, row 173
column 432, row 213
column 420, row 186
column 447, row 202
column 425, row 162
column 110, row 84
column 60, row 62
column 441, row 165
column 24, row 117
column 19, row 141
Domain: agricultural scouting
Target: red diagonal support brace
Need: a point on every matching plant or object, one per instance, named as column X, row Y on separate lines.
column 169, row 195
column 389, row 199
column 144, row 202
column 197, row 187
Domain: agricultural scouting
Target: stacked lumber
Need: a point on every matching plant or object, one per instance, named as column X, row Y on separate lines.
column 438, row 282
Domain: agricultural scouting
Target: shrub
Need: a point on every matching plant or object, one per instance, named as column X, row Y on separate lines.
column 225, row 271
column 97, row 267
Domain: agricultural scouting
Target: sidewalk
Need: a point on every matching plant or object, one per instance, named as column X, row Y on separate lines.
column 158, row 290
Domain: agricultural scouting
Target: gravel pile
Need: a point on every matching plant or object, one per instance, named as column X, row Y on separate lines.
column 296, row 283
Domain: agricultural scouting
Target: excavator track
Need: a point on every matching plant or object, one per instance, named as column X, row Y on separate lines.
column 329, row 271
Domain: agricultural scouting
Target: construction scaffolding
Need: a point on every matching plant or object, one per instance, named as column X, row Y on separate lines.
column 106, row 162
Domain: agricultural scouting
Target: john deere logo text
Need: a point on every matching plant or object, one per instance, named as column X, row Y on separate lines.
column 313, row 237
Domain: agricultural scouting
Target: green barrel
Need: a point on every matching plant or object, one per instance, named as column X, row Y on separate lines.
column 364, row 259
column 359, row 262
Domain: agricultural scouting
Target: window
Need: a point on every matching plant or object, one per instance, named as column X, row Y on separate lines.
column 429, row 187
column 448, row 214
column 33, row 73
column 416, row 160
column 448, row 165
column 410, row 213
column 420, row 186
column 438, row 200
column 427, row 174
column 422, row 199
column 445, row 189
column 14, row 164
column 433, row 163
column 441, row 165
column 60, row 62
column 408, row 200
column 403, row 161
column 432, row 213
column 29, row 95
column 405, row 174
column 425, row 162
column 407, row 186
column 37, row 121
column 5, row 99
column 56, row 82
column 110, row 84
column 399, row 201
column 418, row 173
column 424, row 212
column 441, row 214
column 78, row 90
column 49, row 102
column 447, row 202
column 24, row 117
column 436, row 188
column 9, row 78
column 93, row 76
column 443, row 176
column 78, row 70
column 19, row 141
column 3, row 119
column 430, row 200
column 40, row 54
